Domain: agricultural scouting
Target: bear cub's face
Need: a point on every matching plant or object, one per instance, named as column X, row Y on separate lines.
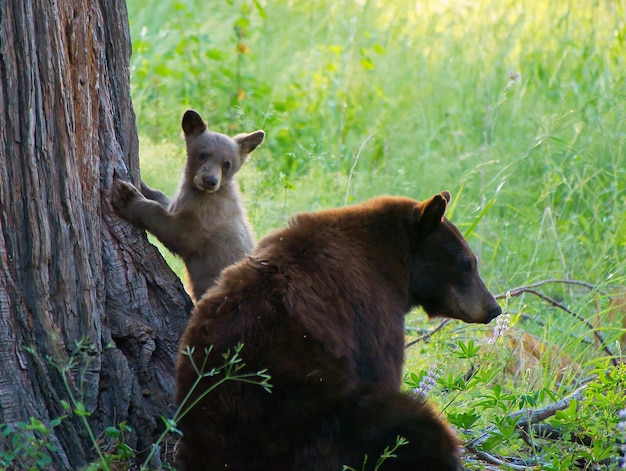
column 213, row 158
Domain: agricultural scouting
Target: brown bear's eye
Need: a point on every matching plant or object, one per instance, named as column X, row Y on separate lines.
column 466, row 265
column 226, row 165
column 203, row 156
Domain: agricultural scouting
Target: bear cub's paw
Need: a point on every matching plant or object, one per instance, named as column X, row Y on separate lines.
column 122, row 195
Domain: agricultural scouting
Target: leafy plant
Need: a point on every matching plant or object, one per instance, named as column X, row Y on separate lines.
column 388, row 453
column 27, row 445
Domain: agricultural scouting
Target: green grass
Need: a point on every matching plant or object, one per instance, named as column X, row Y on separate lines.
column 517, row 108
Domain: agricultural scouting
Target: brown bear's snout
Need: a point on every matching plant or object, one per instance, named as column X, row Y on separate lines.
column 490, row 307
column 475, row 304
column 489, row 311
column 493, row 313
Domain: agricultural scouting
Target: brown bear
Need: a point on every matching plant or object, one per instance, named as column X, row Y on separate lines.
column 204, row 223
column 321, row 305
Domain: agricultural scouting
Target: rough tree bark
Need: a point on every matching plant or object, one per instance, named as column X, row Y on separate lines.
column 70, row 270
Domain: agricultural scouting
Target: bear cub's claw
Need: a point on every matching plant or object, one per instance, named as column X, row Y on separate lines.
column 123, row 194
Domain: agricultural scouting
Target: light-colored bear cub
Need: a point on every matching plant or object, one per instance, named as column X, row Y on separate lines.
column 204, row 223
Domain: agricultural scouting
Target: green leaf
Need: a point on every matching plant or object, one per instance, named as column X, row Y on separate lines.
column 56, row 422
column 367, row 63
column 379, row 49
column 467, row 350
column 260, row 9
column 241, row 23
column 112, row 432
column 214, row 54
column 465, row 420
column 37, row 426
column 80, row 410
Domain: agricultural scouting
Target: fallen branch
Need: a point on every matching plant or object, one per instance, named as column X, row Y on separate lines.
column 590, row 286
column 524, row 419
column 529, row 289
column 550, row 432
column 489, row 458
column 528, row 417
column 428, row 334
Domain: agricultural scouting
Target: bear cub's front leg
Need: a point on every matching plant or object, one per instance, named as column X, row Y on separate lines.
column 152, row 216
column 155, row 195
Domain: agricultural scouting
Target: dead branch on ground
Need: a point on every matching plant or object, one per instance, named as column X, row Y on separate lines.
column 524, row 419
column 531, row 290
column 428, row 334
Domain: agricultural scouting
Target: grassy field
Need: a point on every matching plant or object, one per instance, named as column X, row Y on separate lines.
column 518, row 108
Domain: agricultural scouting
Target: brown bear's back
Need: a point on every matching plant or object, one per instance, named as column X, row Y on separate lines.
column 320, row 305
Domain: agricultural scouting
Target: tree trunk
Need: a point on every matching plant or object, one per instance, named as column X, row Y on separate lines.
column 72, row 274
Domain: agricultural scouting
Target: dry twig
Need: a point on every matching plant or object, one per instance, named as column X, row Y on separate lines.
column 523, row 420
column 590, row 286
column 428, row 334
column 530, row 289
column 489, row 458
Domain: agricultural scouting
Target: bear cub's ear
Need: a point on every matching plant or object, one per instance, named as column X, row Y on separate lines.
column 193, row 123
column 248, row 142
column 433, row 211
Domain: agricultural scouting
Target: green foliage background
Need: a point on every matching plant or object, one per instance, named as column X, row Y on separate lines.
column 516, row 107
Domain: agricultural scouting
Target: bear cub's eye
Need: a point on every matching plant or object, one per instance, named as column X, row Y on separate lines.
column 226, row 165
column 203, row 156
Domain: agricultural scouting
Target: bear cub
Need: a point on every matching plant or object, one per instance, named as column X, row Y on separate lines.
column 204, row 223
column 320, row 305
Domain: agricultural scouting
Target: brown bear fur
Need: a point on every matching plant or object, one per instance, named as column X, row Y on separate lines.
column 321, row 305
column 204, row 223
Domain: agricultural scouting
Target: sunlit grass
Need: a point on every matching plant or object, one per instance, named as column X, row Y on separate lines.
column 516, row 107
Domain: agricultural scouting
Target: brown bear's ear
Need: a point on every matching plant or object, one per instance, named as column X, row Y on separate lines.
column 433, row 211
column 248, row 142
column 193, row 123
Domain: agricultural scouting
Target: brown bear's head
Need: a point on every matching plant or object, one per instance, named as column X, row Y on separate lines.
column 444, row 277
column 213, row 158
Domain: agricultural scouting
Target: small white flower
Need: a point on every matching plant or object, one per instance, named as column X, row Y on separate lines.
column 514, row 77
column 502, row 325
